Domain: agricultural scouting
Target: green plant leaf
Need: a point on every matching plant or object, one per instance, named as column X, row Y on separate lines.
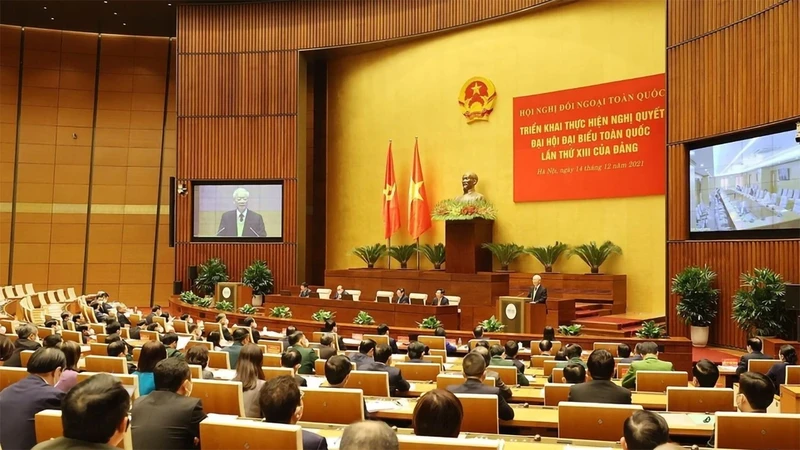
column 370, row 254
column 492, row 324
column 204, row 302
column 594, row 256
column 548, row 255
column 650, row 330
column 224, row 305
column 699, row 299
column 452, row 209
column 363, row 318
column 433, row 253
column 322, row 315
column 248, row 309
column 209, row 274
column 570, row 330
column 759, row 307
column 259, row 277
column 430, row 323
column 281, row 312
column 189, row 297
column 402, row 253
column 505, row 253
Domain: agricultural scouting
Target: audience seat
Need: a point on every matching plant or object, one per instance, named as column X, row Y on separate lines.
column 218, row 360
column 130, row 382
column 197, row 371
column 558, row 375
column 272, row 372
column 222, row 434
column 556, row 393
column 272, row 360
column 438, row 352
column 538, row 360
column 699, row 400
column 610, row 346
column 98, row 349
column 273, row 347
column 328, row 405
column 792, row 374
column 74, row 336
column 149, row 335
column 757, row 431
column 444, row 380
column 417, row 298
column 596, row 421
column 548, row 365
column 324, row 293
column 382, row 296
column 433, row 342
column 99, row 328
column 208, row 345
column 10, row 375
column 379, row 339
column 48, row 426
column 24, row 357
column 412, row 442
column 317, row 335
column 355, row 293
column 419, row 372
column 658, row 381
column 180, row 326
column 220, row 397
column 137, row 352
column 761, row 365
column 455, row 300
column 43, row 332
column 507, row 373
column 480, row 413
column 135, row 318
column 108, row 364
column 623, row 368
column 371, row 383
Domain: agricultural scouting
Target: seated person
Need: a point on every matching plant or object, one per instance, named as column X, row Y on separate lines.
column 574, row 374
column 512, row 348
column 438, row 413
column 214, row 337
column 705, row 374
column 52, row 341
column 170, row 340
column 337, row 372
column 649, row 362
column 291, row 359
column 101, row 401
column 450, row 348
column 372, row 435
column 222, row 319
column 754, row 346
column 249, row 373
column 250, row 322
column 330, row 326
column 122, row 316
column 280, row 401
column 155, row 311
column 383, row 358
column 573, row 355
column 364, row 357
column 624, row 352
column 299, row 342
column 383, row 330
column 402, row 298
column 199, row 355
column 756, row 393
column 304, row 290
column 289, row 331
column 241, row 337
column 439, row 299
column 477, row 332
column 69, row 377
column 168, row 418
column 27, row 339
column 545, row 347
column 474, row 367
column 339, row 293
column 118, row 348
column 155, row 326
column 497, row 354
column 416, row 350
column 505, row 391
column 20, row 401
column 644, row 430
column 777, row 373
column 134, row 331
column 152, row 353
column 53, row 324
column 326, row 349
column 600, row 389
column 561, row 355
column 113, row 327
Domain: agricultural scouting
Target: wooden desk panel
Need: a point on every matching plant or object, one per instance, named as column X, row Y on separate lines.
column 790, row 399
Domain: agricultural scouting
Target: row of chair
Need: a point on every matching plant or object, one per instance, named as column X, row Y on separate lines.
column 415, row 298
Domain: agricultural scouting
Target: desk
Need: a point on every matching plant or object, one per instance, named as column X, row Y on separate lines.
column 760, row 216
column 393, row 314
column 790, row 398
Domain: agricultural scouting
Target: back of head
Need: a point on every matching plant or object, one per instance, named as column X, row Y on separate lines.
column 72, row 353
column 241, row 335
column 113, row 327
column 511, row 348
column 439, row 331
column 46, row 360
column 111, row 338
column 52, row 341
column 214, row 337
column 290, row 330
column 248, row 321
column 601, row 364
column 623, row 351
column 337, row 368
column 326, row 339
column 438, row 413
column 50, row 323
column 26, row 330
column 484, row 353
column 115, row 348
column 184, row 316
column 328, row 325
column 6, row 348
column 789, row 354
column 369, row 434
column 477, row 332
column 648, row 348
column 170, row 374
column 496, row 350
column 155, row 309
column 220, row 317
column 416, row 350
column 366, row 346
column 755, row 344
column 152, row 353
column 153, row 326
column 706, row 372
column 248, row 367
column 560, row 356
column 169, row 339
column 279, row 399
column 637, row 349
column 474, row 364
column 645, row 430
column 574, row 373
column 291, row 358
column 573, row 351
column 383, row 329
column 549, row 334
column 757, row 389
column 295, row 337
column 101, row 401
column 382, row 353
column 545, row 345
column 197, row 355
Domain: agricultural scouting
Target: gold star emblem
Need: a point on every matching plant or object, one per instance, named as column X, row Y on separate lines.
column 388, row 192
column 413, row 190
column 476, row 88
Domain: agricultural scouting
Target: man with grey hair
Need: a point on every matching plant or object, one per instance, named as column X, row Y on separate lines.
column 241, row 222
column 538, row 293
column 369, row 434
column 27, row 339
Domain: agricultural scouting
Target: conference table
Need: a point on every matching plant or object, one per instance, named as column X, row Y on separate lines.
column 759, row 216
column 393, row 314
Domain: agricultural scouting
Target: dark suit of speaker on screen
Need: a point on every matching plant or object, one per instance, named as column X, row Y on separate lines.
column 538, row 294
column 252, row 224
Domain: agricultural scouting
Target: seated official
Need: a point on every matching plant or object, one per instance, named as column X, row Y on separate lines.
column 416, row 350
column 372, row 435
column 511, row 350
column 777, row 373
column 450, row 348
column 644, row 430
column 649, row 362
column 705, row 374
column 483, row 350
column 20, row 401
column 155, row 326
column 574, row 374
column 545, row 347
column 94, row 415
column 135, row 331
column 122, row 316
column 249, row 373
column 250, row 323
column 155, row 311
column 474, row 366
column 477, row 332
column 27, row 339
column 497, row 354
column 168, row 418
column 754, row 346
column 337, row 372
column 69, row 377
column 383, row 361
column 304, row 290
column 199, row 355
column 572, row 353
column 290, row 330
column 291, row 359
column 214, row 337
column 222, row 319
column 326, row 349
column 330, row 326
column 600, row 389
column 118, row 349
column 438, row 413
column 637, row 354
column 756, row 393
column 402, row 298
column 439, row 299
column 364, row 357
column 623, row 351
column 6, row 348
column 339, row 293
column 52, row 341
column 299, row 343
column 383, row 330
column 241, row 337
column 152, row 353
column 170, row 341
column 280, row 401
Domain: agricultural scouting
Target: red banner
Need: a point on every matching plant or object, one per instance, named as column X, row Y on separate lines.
column 599, row 141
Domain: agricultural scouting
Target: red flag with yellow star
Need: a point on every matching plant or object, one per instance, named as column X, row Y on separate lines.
column 391, row 207
column 419, row 215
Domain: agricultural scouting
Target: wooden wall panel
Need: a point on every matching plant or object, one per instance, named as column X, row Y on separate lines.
column 731, row 66
column 9, row 91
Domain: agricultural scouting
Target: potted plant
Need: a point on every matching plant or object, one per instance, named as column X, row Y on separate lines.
column 430, row 323
column 370, row 254
column 224, row 305
column 434, row 253
column 760, row 307
column 322, row 315
column 248, row 309
column 363, row 318
column 570, row 330
column 650, row 330
column 259, row 277
column 280, row 312
column 593, row 255
column 209, row 274
column 402, row 253
column 189, row 297
column 547, row 255
column 452, row 209
column 505, row 253
column 698, row 305
column 204, row 302
column 491, row 324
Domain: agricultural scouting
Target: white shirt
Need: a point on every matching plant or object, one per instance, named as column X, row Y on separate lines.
column 240, row 223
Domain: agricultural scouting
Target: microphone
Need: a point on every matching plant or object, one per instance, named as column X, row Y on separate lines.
column 220, row 231
column 254, row 232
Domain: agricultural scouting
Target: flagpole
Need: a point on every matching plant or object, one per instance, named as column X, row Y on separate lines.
column 387, row 253
column 417, row 253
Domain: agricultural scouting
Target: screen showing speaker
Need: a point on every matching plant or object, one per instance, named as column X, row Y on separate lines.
column 237, row 211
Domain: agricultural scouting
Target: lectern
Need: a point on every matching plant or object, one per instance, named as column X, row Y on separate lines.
column 463, row 240
column 236, row 293
column 519, row 315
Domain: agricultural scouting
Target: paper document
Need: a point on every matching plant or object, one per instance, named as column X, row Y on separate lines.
column 313, row 382
column 226, row 417
column 385, row 405
column 448, row 366
column 530, row 377
column 333, row 442
column 224, row 374
column 182, row 341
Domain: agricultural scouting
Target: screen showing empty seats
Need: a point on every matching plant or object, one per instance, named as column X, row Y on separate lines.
column 238, row 211
column 751, row 184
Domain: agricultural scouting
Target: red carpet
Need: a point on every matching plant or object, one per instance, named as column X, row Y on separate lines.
column 714, row 355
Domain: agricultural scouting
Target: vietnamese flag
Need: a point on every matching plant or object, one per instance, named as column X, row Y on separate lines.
column 391, row 208
column 419, row 215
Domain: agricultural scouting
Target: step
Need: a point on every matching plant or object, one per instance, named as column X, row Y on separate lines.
column 620, row 333
column 588, row 306
column 587, row 313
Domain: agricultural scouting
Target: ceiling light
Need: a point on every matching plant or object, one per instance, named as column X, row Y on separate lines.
column 169, row 4
column 124, row 24
column 701, row 165
column 45, row 7
column 105, row 1
column 52, row 18
column 115, row 13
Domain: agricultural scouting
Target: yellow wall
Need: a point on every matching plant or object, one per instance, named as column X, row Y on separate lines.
column 411, row 89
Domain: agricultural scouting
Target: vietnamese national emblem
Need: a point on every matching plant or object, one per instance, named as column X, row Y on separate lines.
column 477, row 99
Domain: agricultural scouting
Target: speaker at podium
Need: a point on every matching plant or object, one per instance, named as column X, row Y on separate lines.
column 519, row 315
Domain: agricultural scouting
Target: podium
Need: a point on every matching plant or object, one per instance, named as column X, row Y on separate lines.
column 519, row 315
column 462, row 242
column 236, row 293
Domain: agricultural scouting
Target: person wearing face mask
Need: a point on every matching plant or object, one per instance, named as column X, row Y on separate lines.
column 20, row 402
column 281, row 401
column 755, row 395
column 27, row 339
column 168, row 418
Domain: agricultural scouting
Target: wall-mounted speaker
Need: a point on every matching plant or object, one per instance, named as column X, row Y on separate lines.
column 192, row 273
column 792, row 297
column 177, row 287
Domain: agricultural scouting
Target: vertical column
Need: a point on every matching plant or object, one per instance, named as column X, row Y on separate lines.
column 10, row 38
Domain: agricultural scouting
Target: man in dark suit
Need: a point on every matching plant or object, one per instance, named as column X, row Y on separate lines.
column 754, row 346
column 483, row 351
column 600, row 389
column 241, row 337
column 27, row 339
column 121, row 317
column 339, row 293
column 474, row 371
column 439, row 299
column 383, row 330
column 326, row 349
column 299, row 343
column 255, row 336
column 292, row 359
column 537, row 293
column 402, row 298
column 366, row 352
column 383, row 356
column 155, row 310
column 415, row 352
column 337, row 371
column 20, row 402
column 290, row 330
column 281, row 402
column 304, row 290
column 168, row 418
column 241, row 222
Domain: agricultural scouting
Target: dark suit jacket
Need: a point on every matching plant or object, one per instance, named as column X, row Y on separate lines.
column 599, row 391
column 313, row 441
column 19, row 346
column 393, row 345
column 255, row 336
column 19, row 403
column 396, row 381
column 134, row 332
column 518, row 364
column 742, row 368
column 164, row 420
column 233, row 353
column 301, row 382
column 443, row 302
column 417, row 361
column 253, row 224
column 304, row 294
column 630, row 360
column 307, row 361
column 474, row 386
column 541, row 294
column 337, row 295
column 362, row 361
column 404, row 299
column 777, row 373
column 326, row 352
column 123, row 320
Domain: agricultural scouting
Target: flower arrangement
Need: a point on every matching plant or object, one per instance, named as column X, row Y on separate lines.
column 452, row 209
column 224, row 305
column 248, row 309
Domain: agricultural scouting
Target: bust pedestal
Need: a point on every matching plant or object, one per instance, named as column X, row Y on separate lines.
column 462, row 242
